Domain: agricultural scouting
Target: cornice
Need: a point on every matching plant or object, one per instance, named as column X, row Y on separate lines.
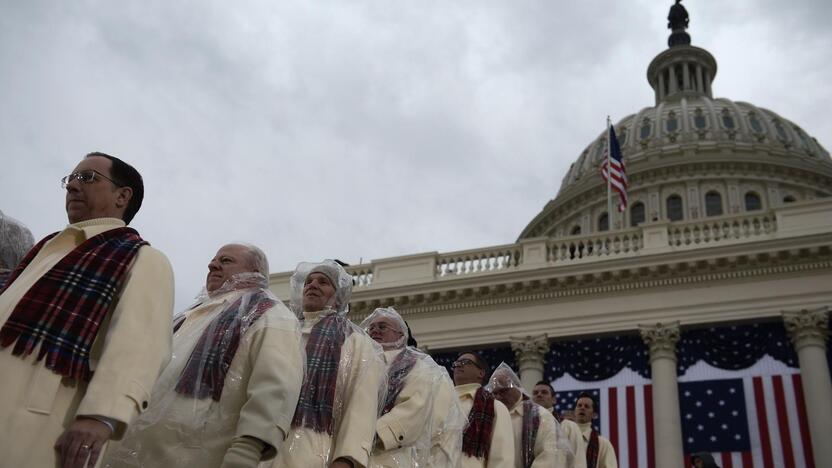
column 668, row 270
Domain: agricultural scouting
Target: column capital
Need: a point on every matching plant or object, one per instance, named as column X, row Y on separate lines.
column 530, row 348
column 807, row 327
column 661, row 339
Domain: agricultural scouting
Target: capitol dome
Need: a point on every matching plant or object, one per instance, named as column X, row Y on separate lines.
column 689, row 156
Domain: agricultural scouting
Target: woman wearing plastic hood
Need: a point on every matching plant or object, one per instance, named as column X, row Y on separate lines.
column 538, row 440
column 229, row 392
column 420, row 422
column 335, row 419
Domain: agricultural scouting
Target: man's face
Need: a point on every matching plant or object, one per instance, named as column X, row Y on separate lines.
column 584, row 411
column 542, row 395
column 698, row 463
column 506, row 392
column 318, row 292
column 384, row 330
column 100, row 198
column 466, row 370
column 229, row 260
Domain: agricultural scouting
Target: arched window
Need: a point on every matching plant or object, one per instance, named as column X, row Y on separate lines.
column 727, row 119
column 603, row 222
column 675, row 210
column 575, row 231
column 752, row 202
column 713, row 204
column 789, row 199
column 637, row 214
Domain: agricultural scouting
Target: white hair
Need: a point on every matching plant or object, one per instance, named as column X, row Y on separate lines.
column 258, row 259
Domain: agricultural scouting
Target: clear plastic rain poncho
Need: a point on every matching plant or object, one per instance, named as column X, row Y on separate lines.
column 15, row 241
column 236, row 364
column 345, row 382
column 532, row 451
column 421, row 415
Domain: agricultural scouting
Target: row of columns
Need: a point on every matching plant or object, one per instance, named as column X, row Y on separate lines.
column 808, row 331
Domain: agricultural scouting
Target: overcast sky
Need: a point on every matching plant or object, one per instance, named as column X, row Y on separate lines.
column 358, row 130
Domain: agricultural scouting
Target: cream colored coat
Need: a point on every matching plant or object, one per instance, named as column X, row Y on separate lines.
column 407, row 424
column 544, row 442
column 606, row 452
column 360, row 376
column 258, row 397
column 448, row 422
column 132, row 346
column 501, row 454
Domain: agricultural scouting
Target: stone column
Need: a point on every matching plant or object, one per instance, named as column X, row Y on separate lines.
column 673, row 85
column 685, row 76
column 661, row 339
column 530, row 352
column 808, row 330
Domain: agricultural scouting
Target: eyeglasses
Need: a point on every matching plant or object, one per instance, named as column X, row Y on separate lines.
column 86, row 177
column 464, row 362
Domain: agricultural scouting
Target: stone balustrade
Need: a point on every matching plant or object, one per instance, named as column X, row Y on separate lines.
column 797, row 219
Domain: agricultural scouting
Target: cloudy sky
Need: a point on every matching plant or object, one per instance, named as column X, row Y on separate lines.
column 357, row 130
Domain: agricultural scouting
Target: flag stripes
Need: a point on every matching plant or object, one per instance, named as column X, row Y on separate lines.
column 774, row 417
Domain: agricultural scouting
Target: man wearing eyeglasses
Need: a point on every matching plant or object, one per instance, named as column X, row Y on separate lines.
column 419, row 417
column 86, row 325
column 488, row 441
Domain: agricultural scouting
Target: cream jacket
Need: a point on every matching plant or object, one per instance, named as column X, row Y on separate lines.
column 501, row 454
column 258, row 397
column 405, row 429
column 360, row 376
column 132, row 347
column 544, row 442
column 606, row 452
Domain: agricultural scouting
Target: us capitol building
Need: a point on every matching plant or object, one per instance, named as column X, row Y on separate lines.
column 728, row 233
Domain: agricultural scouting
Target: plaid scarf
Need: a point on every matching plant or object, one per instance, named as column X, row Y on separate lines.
column 204, row 373
column 66, row 306
column 476, row 440
column 531, row 421
column 317, row 394
column 399, row 369
column 592, row 450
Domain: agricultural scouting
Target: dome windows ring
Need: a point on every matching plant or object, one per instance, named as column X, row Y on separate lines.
column 637, row 214
column 713, row 204
column 675, row 208
column 753, row 202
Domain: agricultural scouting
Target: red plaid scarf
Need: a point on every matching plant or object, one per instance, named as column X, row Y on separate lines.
column 531, row 421
column 476, row 440
column 399, row 370
column 317, row 394
column 66, row 306
column 204, row 373
column 592, row 450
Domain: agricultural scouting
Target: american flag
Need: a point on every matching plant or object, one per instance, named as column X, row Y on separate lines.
column 747, row 421
column 614, row 159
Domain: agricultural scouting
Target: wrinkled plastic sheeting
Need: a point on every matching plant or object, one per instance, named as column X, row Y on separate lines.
column 389, row 313
column 361, row 372
column 342, row 282
column 186, row 423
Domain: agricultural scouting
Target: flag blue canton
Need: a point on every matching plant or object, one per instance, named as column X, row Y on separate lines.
column 714, row 418
column 565, row 401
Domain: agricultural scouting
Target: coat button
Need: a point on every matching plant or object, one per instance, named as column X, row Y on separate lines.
column 401, row 437
column 144, row 405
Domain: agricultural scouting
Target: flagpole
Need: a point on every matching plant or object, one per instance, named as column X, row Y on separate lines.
column 609, row 178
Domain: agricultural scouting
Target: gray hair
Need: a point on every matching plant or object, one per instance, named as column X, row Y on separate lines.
column 15, row 240
column 259, row 261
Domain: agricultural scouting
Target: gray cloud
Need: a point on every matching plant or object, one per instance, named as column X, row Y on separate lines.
column 356, row 130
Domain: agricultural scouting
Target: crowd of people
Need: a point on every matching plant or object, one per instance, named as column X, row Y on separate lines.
column 98, row 371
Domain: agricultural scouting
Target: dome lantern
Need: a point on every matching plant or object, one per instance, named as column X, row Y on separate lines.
column 682, row 69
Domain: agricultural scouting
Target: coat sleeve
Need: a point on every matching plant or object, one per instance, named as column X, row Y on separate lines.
column 410, row 417
column 357, row 427
column 544, row 443
column 573, row 433
column 137, row 344
column 501, row 454
column 276, row 373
